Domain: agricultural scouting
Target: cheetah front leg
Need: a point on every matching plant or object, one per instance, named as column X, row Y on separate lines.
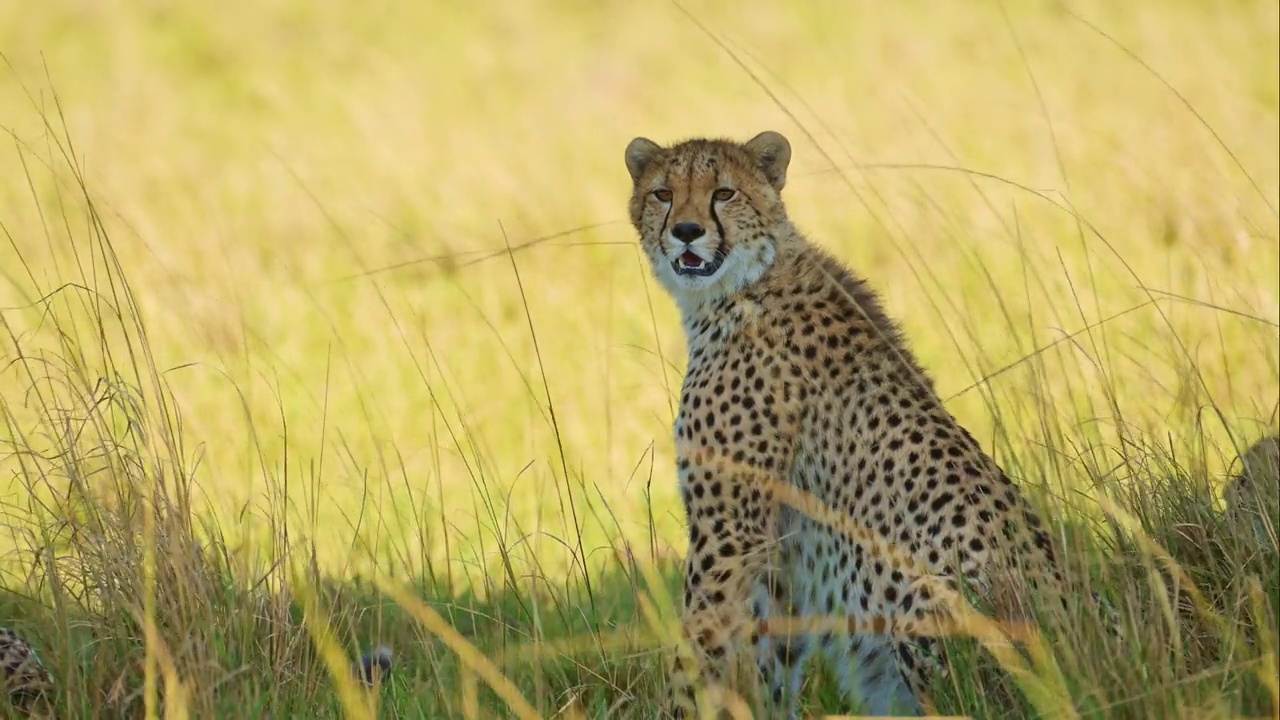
column 732, row 451
column 731, row 537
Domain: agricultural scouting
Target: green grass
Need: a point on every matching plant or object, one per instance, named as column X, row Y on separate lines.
column 263, row 342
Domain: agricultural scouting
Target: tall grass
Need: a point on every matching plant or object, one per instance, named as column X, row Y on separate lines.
column 324, row 330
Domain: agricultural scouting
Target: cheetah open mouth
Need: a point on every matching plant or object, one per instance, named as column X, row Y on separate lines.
column 690, row 263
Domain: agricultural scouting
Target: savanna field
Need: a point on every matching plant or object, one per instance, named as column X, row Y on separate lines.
column 323, row 328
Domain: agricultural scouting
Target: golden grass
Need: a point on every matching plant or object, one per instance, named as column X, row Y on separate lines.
column 259, row 165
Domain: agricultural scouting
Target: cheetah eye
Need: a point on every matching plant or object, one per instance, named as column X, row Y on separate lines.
column 724, row 194
column 663, row 195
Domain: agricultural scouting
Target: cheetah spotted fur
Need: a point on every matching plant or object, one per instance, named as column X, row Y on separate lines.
column 1253, row 494
column 25, row 677
column 798, row 385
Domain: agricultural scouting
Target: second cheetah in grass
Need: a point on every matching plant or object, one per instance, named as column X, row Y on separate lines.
column 25, row 678
column 1253, row 494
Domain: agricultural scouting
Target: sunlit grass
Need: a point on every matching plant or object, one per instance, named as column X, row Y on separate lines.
column 292, row 314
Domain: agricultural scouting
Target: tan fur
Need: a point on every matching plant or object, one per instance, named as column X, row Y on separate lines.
column 25, row 677
column 798, row 382
column 1253, row 495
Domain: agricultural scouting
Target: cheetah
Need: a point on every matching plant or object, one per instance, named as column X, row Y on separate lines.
column 798, row 385
column 1253, row 495
column 25, row 677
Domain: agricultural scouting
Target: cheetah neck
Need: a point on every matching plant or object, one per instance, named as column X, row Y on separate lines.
column 703, row 308
column 741, row 270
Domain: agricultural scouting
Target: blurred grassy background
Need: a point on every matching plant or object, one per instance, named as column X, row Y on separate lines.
column 309, row 201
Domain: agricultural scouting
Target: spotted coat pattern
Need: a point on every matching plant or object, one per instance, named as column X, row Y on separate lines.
column 798, row 386
column 25, row 677
column 1253, row 494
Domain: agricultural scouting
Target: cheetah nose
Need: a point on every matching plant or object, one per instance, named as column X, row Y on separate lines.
column 687, row 231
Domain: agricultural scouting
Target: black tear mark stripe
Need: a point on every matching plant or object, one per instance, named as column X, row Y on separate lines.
column 719, row 252
column 666, row 218
column 719, row 227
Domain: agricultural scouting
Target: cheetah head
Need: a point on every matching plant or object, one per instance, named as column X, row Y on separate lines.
column 708, row 211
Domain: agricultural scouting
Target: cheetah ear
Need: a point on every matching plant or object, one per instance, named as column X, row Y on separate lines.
column 772, row 153
column 640, row 152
